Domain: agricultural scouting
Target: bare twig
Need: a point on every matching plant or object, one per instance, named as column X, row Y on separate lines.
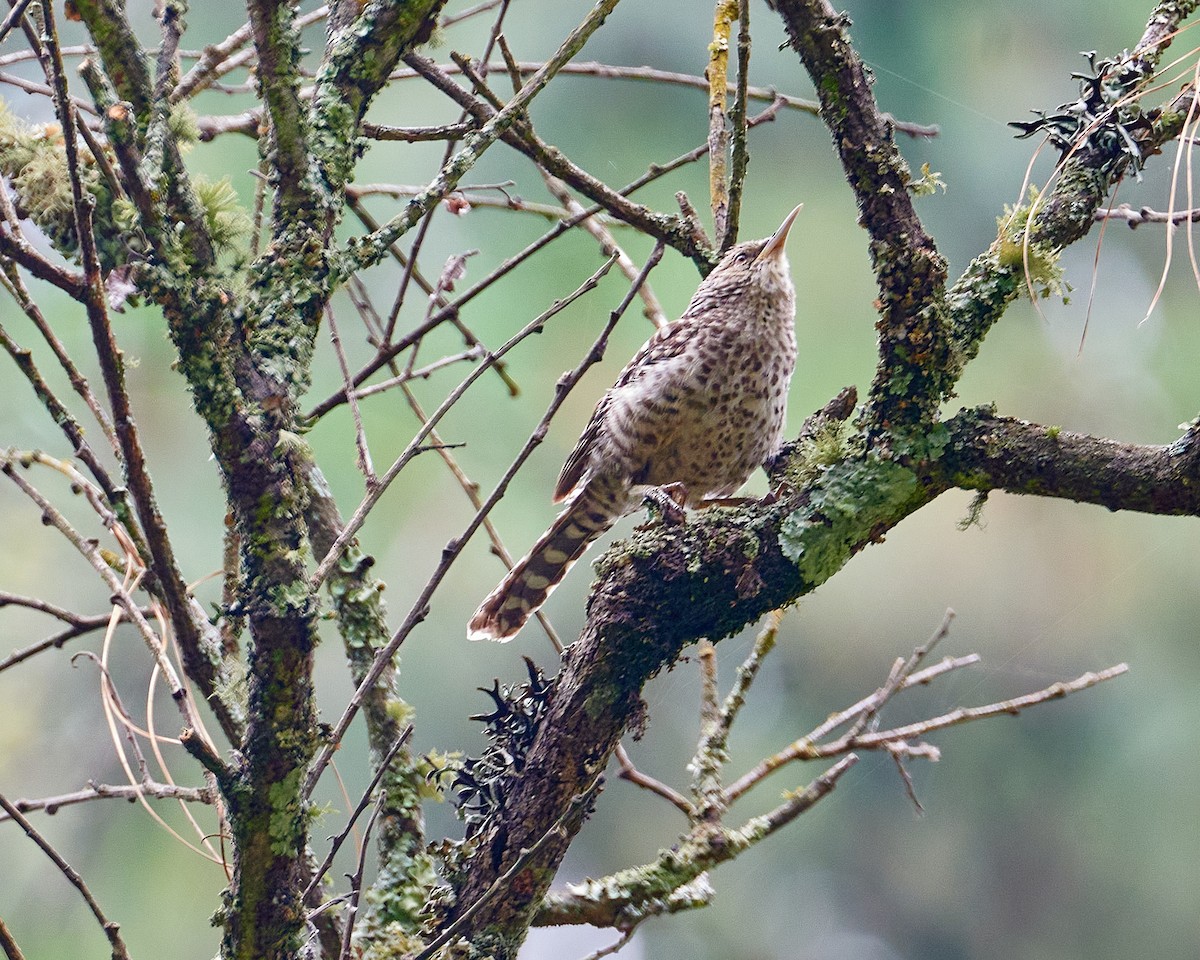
column 357, row 877
column 368, row 251
column 451, row 19
column 111, row 929
column 1056, row 691
column 373, row 495
column 615, row 947
column 547, row 211
column 8, row 943
column 452, row 309
column 1135, row 218
column 452, row 549
column 651, row 309
column 360, row 435
column 810, row 746
column 738, row 114
column 646, row 782
column 417, row 611
column 9, row 463
column 651, row 75
column 129, row 792
column 448, row 312
column 78, row 625
column 357, row 812
column 221, row 58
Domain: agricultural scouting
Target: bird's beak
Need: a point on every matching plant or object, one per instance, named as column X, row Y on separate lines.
column 774, row 247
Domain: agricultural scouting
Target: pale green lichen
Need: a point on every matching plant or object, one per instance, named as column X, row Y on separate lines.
column 286, row 825
column 851, row 499
column 927, row 183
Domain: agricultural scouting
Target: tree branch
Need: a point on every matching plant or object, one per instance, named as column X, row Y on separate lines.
column 988, row 452
column 909, row 270
column 112, row 930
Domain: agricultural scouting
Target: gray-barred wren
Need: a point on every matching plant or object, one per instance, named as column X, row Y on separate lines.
column 698, row 408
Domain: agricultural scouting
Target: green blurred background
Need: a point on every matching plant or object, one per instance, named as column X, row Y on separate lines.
column 1070, row 832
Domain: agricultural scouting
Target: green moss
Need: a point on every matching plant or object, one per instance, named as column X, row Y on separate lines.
column 834, row 106
column 830, row 443
column 601, row 698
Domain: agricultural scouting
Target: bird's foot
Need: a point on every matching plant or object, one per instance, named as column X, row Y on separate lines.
column 780, row 491
column 668, row 502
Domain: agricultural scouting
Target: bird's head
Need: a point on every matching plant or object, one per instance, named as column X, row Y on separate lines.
column 759, row 262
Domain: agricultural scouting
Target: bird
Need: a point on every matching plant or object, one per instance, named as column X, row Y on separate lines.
column 699, row 407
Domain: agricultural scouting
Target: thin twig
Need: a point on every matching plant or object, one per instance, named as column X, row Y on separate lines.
column 451, row 310
column 612, row 948
column 1056, row 691
column 646, row 782
column 8, row 943
column 445, row 131
column 368, row 251
column 14, row 14
column 384, row 764
column 534, row 326
column 219, row 59
column 451, row 551
column 111, row 929
column 547, row 211
column 1135, row 218
column 357, row 877
column 79, row 626
column 650, row 75
column 360, row 435
column 89, row 549
column 764, row 643
column 128, row 792
column 810, row 747
column 725, row 12
column 738, row 114
column 447, row 312
column 451, row 19
column 901, row 672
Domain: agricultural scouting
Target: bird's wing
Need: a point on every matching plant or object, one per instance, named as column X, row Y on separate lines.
column 667, row 343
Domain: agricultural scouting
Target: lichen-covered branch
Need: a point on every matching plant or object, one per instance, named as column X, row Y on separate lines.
column 365, row 43
column 910, row 379
column 677, row 879
column 277, row 42
column 724, row 15
column 988, row 452
column 405, row 872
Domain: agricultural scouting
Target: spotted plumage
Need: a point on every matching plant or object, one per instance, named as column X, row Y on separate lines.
column 701, row 406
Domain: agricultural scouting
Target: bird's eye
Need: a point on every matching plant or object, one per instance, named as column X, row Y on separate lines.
column 742, row 257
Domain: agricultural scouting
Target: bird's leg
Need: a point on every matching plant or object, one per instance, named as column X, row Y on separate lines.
column 668, row 501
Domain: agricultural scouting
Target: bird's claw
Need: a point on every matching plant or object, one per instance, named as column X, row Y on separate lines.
column 668, row 501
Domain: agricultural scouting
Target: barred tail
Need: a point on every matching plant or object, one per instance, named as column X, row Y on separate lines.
column 531, row 581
